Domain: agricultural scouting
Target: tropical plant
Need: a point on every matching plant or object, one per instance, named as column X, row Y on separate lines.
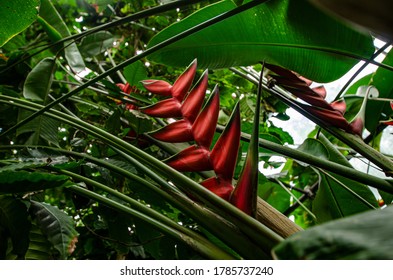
column 114, row 146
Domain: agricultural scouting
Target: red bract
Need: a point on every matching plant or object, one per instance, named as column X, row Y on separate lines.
column 219, row 186
column 331, row 114
column 170, row 108
column 193, row 158
column 126, row 88
column 224, row 153
column 205, row 124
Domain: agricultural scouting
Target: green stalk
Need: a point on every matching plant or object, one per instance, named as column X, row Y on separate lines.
column 259, row 234
column 225, row 231
column 133, row 59
column 159, row 221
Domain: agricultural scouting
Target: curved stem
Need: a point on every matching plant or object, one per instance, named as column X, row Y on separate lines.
column 159, row 221
column 261, row 235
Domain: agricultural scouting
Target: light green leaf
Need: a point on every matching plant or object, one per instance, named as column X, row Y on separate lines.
column 134, row 73
column 56, row 225
column 16, row 16
column 364, row 236
column 272, row 31
column 39, row 246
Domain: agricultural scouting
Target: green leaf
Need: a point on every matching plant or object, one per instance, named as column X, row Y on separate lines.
column 41, row 127
column 96, row 43
column 364, row 236
column 54, row 25
column 16, row 16
column 337, row 196
column 56, row 225
column 39, row 81
column 14, row 218
column 23, row 181
column 134, row 73
column 273, row 194
column 39, row 246
column 267, row 32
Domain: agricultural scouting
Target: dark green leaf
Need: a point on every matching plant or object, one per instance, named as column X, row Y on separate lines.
column 56, row 225
column 16, row 16
column 39, row 246
column 253, row 35
column 14, row 218
column 39, row 81
column 54, row 20
column 24, row 181
column 96, row 43
column 364, row 236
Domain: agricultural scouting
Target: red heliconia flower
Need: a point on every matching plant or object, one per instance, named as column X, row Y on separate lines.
column 126, row 88
column 170, row 107
column 193, row 158
column 205, row 124
column 332, row 117
column 225, row 151
column 339, row 105
column 356, row 126
column 219, row 186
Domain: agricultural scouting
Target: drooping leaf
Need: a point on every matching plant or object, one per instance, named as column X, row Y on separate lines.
column 41, row 128
column 23, row 181
column 364, row 236
column 337, row 195
column 39, row 81
column 14, row 219
column 54, row 22
column 56, row 225
column 268, row 32
column 39, row 246
column 16, row 16
column 96, row 43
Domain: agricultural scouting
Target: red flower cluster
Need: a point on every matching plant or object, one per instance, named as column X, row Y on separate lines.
column 198, row 125
column 331, row 113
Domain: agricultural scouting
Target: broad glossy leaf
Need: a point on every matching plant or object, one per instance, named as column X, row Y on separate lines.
column 39, row 81
column 16, row 16
column 23, row 181
column 254, row 35
column 55, row 24
column 273, row 193
column 56, row 225
column 14, row 218
column 364, row 236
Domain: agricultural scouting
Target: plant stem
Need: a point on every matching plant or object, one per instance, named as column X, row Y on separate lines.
column 259, row 234
column 162, row 223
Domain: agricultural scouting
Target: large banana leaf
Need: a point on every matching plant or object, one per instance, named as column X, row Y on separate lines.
column 15, row 16
column 283, row 32
column 364, row 236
